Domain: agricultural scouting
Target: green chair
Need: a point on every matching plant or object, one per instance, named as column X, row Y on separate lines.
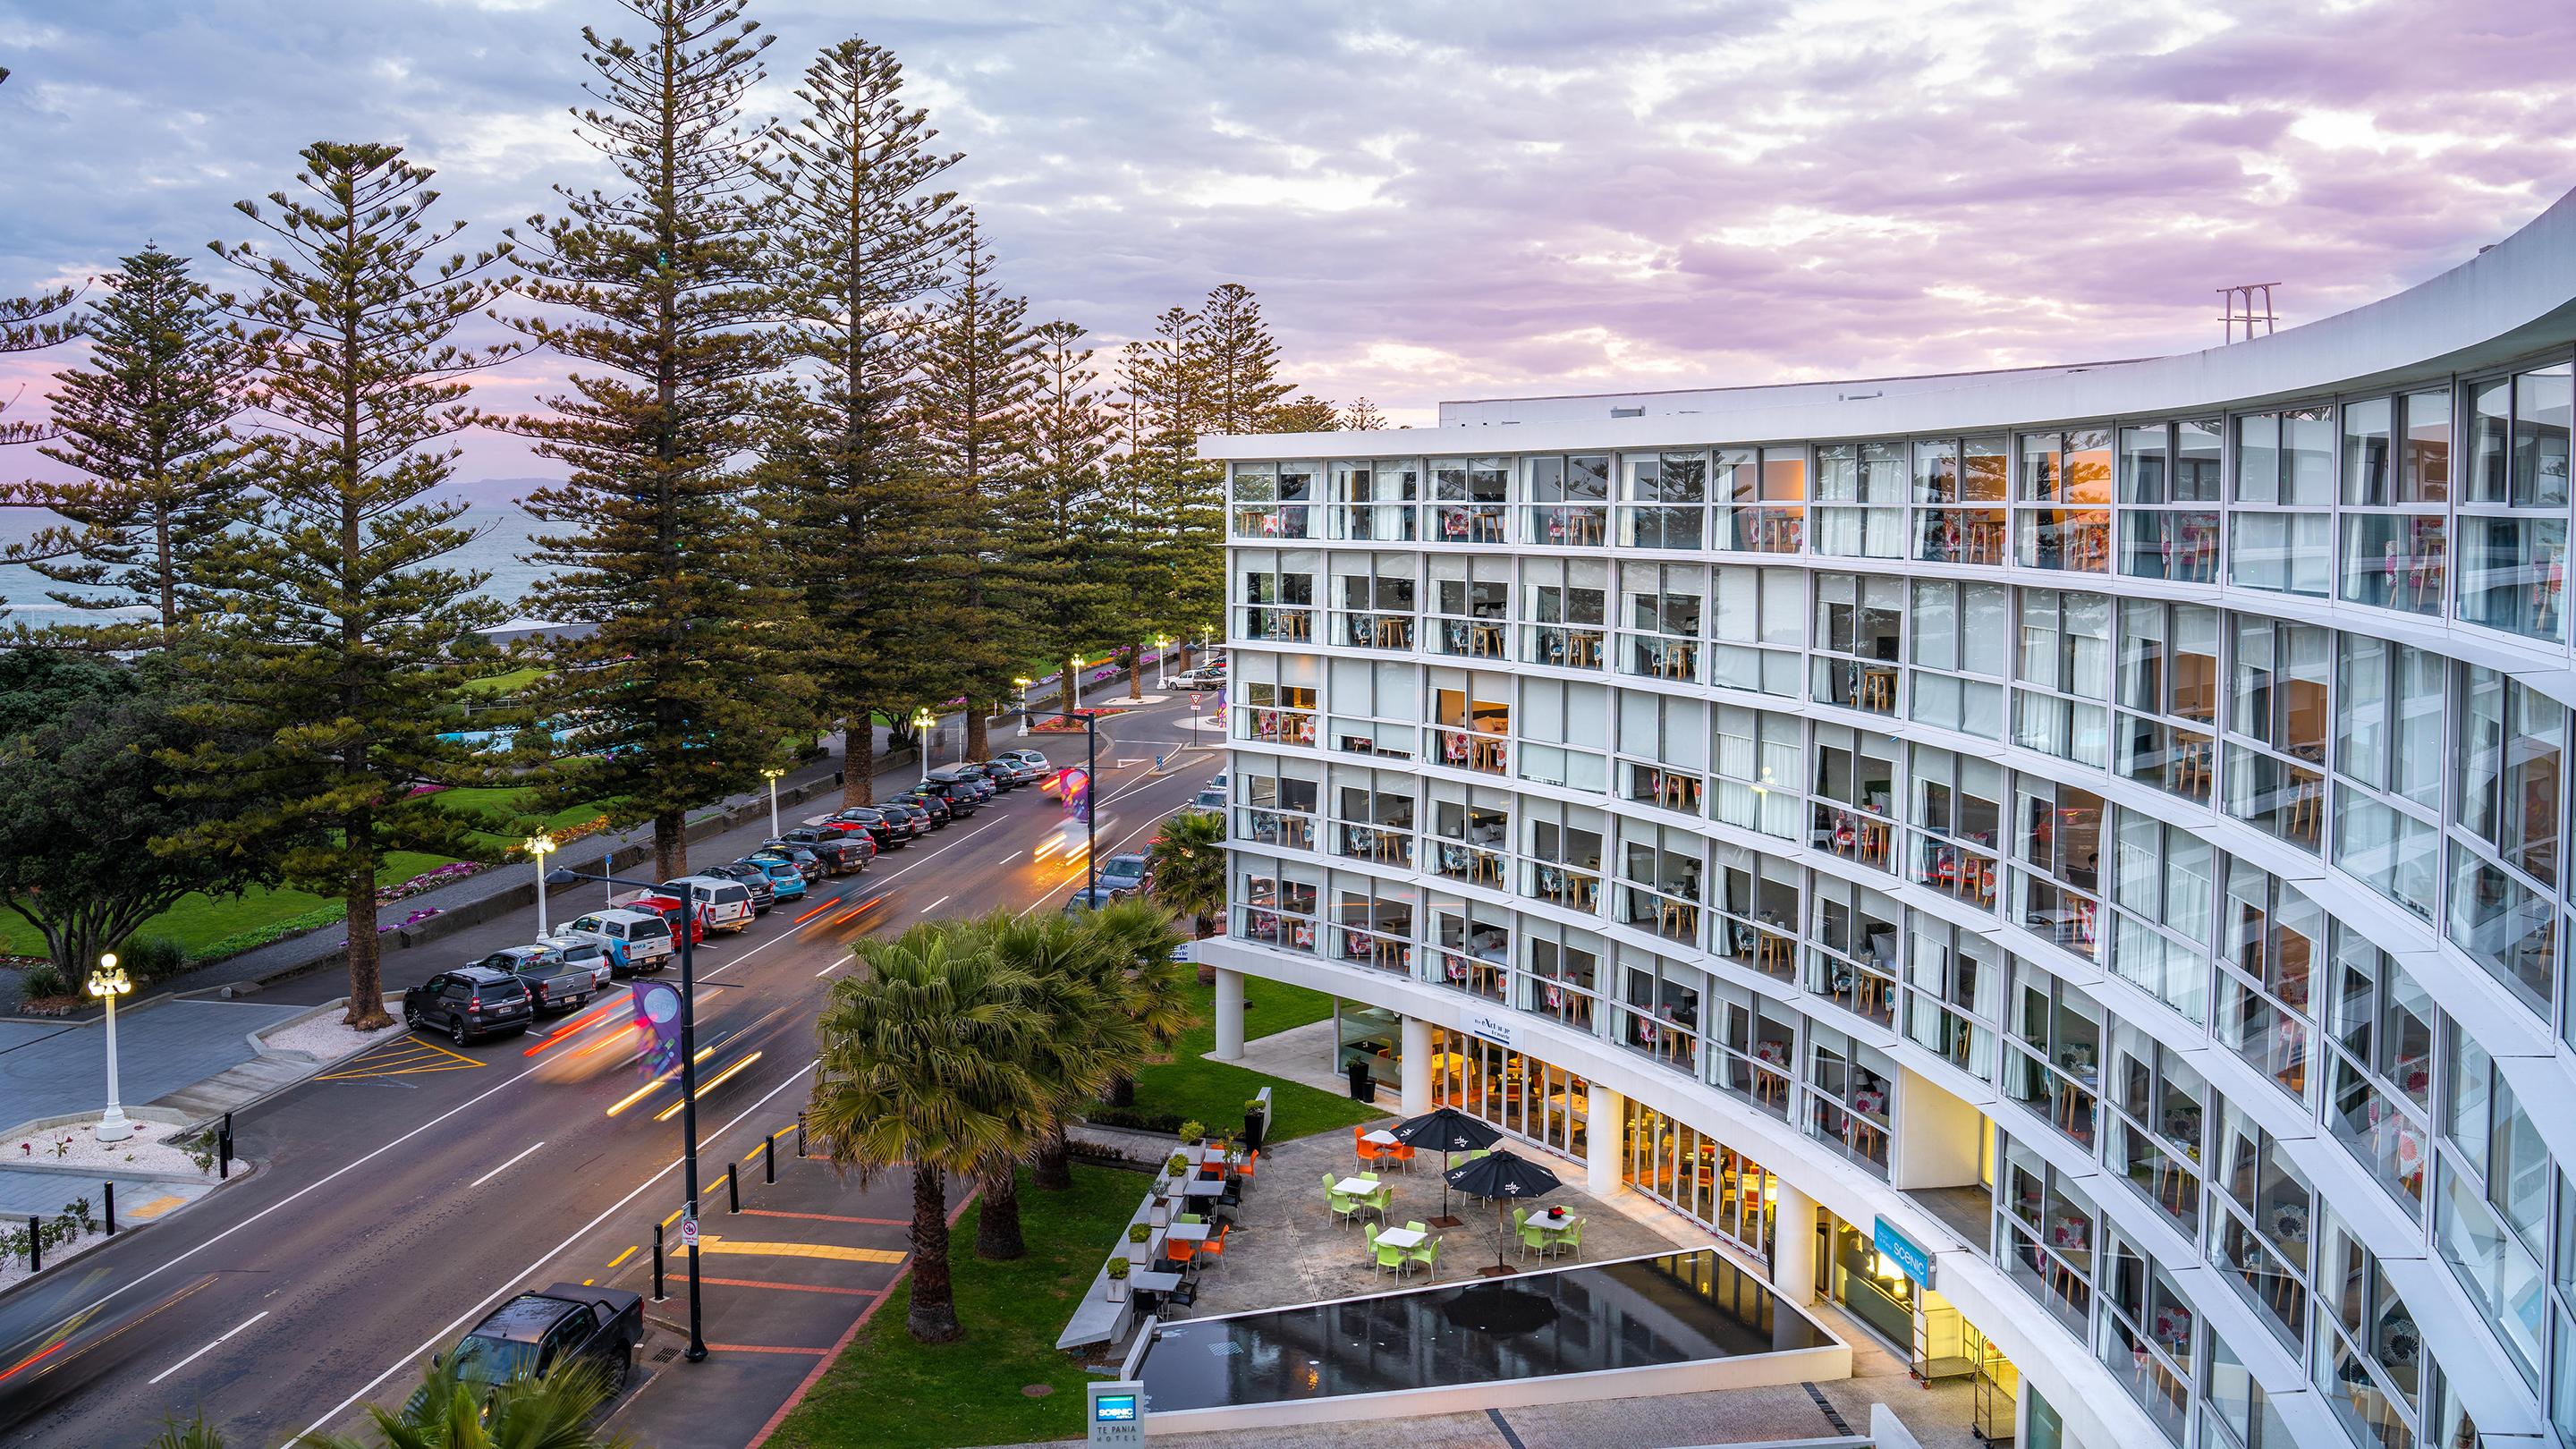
column 1388, row 1256
column 1571, row 1239
column 1520, row 1217
column 1533, row 1236
column 1418, row 1226
column 1428, row 1255
column 1382, row 1199
column 1189, row 1218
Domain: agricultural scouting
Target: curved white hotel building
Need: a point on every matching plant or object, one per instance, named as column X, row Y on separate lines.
column 2067, row 863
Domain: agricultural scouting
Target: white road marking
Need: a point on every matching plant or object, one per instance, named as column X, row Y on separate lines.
column 504, row 1167
column 934, row 905
column 1006, row 860
column 837, row 965
column 201, row 1353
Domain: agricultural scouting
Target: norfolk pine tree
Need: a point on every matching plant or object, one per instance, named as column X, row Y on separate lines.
column 1237, row 362
column 859, row 236
column 653, row 291
column 335, row 652
column 1055, row 507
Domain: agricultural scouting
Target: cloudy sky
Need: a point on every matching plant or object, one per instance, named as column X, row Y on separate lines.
column 1450, row 200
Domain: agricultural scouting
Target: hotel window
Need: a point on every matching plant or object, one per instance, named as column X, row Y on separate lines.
column 1760, row 1041
column 1471, row 598
column 2368, row 1365
column 1854, row 935
column 2388, row 769
column 2276, row 942
column 1276, row 592
column 1276, row 801
column 2054, row 1064
column 1374, row 598
column 1762, row 494
column 1472, row 947
column 1854, row 796
column 1759, row 766
column 2380, row 1071
column 1565, row 978
column 2069, row 476
column 1557, row 716
column 1566, row 604
column 1271, row 500
column 2235, row 1410
column 2396, row 479
column 2169, row 696
column 1373, row 816
column 2066, row 652
column 1470, row 837
column 1659, row 872
column 1275, row 902
column 1471, row 719
column 2280, row 536
column 1848, row 1089
column 1470, row 499
column 1373, row 922
column 2508, row 783
column 1659, row 620
column 1961, row 653
column 1276, row 702
column 2513, row 497
column 1758, row 912
column 2146, row 1336
column 1667, row 500
column 2278, row 717
column 1564, row 853
column 1663, row 747
column 2046, row 1235
column 1373, row 501
column 2155, row 1121
column 1377, row 708
column 2058, row 844
column 1860, row 500
column 1954, row 994
column 1960, row 489
column 1569, row 501
column 2266, row 1212
column 2164, row 890
column 1660, row 1006
column 2493, row 1186
column 2169, row 500
column 1957, row 817
column 1860, row 637
column 1760, row 625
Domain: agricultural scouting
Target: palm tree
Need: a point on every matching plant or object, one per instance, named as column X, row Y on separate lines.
column 1086, row 1036
column 1130, row 955
column 194, row 1434
column 1189, row 871
column 449, row 1412
column 924, row 1064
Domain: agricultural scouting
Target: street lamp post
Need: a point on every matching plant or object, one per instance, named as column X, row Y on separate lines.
column 1024, row 682
column 771, row 775
column 107, row 983
column 1162, row 670
column 923, row 722
column 538, row 848
column 697, row 1352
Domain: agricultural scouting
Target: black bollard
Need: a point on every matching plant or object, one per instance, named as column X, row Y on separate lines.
column 800, row 1134
column 657, row 1262
column 224, row 1151
column 733, row 1188
column 769, row 1158
column 35, row 1245
column 111, row 1209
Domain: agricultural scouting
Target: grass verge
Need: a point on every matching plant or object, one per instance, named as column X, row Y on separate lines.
column 889, row 1392
column 201, row 924
column 1191, row 1086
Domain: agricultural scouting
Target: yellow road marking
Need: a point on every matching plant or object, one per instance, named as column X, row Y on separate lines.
column 710, row 1243
column 622, row 1257
column 153, row 1209
column 400, row 1059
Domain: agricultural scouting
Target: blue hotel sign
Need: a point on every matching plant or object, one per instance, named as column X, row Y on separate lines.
column 1904, row 1252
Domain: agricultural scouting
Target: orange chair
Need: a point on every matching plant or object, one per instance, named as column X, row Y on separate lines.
column 1402, row 1155
column 1213, row 1247
column 1181, row 1252
column 1370, row 1152
column 1251, row 1160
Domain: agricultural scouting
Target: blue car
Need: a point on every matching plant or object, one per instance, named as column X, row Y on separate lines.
column 784, row 877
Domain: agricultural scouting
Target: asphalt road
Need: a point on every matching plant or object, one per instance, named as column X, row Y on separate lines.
column 402, row 1195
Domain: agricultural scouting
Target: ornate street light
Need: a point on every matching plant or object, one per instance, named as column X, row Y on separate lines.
column 538, row 848
column 771, row 774
column 923, row 722
column 107, row 983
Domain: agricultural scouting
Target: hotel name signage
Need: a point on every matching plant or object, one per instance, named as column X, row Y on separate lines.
column 1904, row 1252
column 1501, row 1031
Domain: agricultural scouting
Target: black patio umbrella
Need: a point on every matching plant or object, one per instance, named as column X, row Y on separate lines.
column 1495, row 1309
column 1504, row 1178
column 1444, row 1131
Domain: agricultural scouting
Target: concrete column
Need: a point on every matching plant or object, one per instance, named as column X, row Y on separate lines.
column 1416, row 1067
column 1601, row 1138
column 1793, row 1245
column 1229, row 1015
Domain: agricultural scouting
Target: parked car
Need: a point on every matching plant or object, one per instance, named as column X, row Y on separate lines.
column 1126, row 875
column 933, row 806
column 754, row 879
column 1034, row 759
column 784, row 876
column 555, row 985
column 805, row 860
column 888, row 832
column 1088, row 898
column 1209, row 798
column 536, row 1334
column 1206, row 677
column 469, row 1002
column 1010, row 771
column 910, row 812
column 589, row 955
column 670, row 910
column 638, row 942
column 724, row 903
column 983, row 777
column 957, row 795
column 841, row 851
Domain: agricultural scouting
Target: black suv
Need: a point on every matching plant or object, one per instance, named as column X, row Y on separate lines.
column 754, row 879
column 887, row 833
column 961, row 798
column 937, row 807
column 913, row 812
column 843, row 851
column 536, row 1334
column 468, row 1002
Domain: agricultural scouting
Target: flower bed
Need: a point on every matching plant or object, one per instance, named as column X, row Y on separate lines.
column 428, row 880
column 1072, row 725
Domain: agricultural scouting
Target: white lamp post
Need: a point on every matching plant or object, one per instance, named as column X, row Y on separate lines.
column 109, row 982
column 923, row 722
column 538, row 848
column 1162, row 671
column 771, row 775
column 1024, row 684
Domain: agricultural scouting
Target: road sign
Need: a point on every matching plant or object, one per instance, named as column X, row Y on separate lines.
column 689, row 1232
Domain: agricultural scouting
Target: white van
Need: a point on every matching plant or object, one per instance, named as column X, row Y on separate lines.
column 638, row 942
column 727, row 903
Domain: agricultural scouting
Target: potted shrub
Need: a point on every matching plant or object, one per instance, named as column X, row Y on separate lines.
column 1118, row 1270
column 1178, row 1167
column 1255, row 1122
column 1138, row 1234
column 1193, row 1130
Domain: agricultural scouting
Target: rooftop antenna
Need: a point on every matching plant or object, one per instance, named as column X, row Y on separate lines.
column 2242, row 306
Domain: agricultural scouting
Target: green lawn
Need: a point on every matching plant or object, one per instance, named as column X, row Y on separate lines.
column 502, row 804
column 889, row 1392
column 198, row 922
column 1214, row 1092
column 510, row 683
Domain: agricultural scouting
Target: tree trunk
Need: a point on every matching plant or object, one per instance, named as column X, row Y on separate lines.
column 933, row 1315
column 1199, row 932
column 859, row 761
column 366, row 978
column 670, row 845
column 979, row 744
column 997, row 1218
column 1135, row 671
column 1069, row 690
column 1052, row 1169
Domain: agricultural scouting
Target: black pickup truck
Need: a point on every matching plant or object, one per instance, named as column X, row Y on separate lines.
column 538, row 1333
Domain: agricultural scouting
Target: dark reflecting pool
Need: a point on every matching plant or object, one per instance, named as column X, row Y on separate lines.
column 1644, row 1312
